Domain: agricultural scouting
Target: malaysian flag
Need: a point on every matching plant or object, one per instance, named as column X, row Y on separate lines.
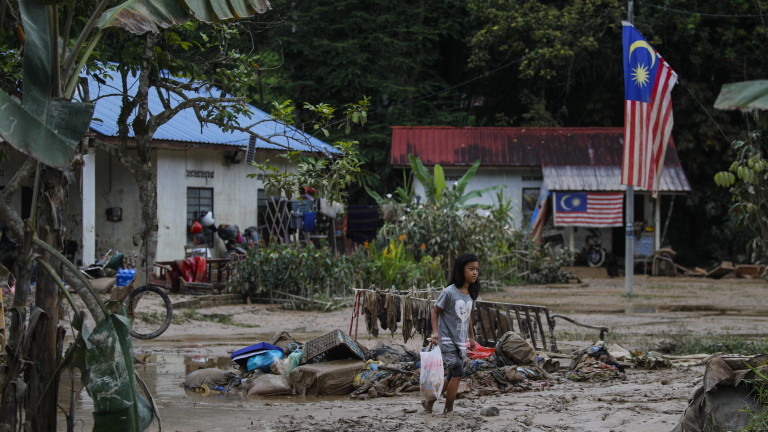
column 648, row 82
column 591, row 209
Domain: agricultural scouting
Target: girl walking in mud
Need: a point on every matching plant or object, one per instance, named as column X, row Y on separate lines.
column 452, row 326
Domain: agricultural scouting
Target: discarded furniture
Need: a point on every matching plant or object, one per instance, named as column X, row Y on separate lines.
column 533, row 323
column 217, row 273
column 162, row 275
column 664, row 263
column 335, row 345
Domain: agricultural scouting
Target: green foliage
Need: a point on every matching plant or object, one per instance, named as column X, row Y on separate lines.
column 305, row 271
column 683, row 342
column 392, row 266
column 747, row 181
column 331, row 176
column 446, row 226
column 438, row 192
column 550, row 55
column 758, row 421
column 335, row 51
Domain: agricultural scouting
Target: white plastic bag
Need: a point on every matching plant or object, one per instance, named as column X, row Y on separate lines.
column 432, row 378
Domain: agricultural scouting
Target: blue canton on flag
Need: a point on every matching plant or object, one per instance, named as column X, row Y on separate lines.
column 592, row 209
column 648, row 119
column 572, row 202
column 641, row 64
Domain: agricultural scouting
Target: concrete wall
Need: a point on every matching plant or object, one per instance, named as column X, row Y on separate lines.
column 234, row 198
column 513, row 180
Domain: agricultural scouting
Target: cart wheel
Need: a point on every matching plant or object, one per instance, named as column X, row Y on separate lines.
column 150, row 311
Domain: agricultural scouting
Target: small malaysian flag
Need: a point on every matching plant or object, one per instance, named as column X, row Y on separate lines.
column 589, row 209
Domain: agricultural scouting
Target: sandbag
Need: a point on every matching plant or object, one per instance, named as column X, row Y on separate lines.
column 511, row 349
column 327, row 378
column 268, row 385
column 211, row 377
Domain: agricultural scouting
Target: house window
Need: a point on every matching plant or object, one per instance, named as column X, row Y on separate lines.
column 530, row 199
column 199, row 202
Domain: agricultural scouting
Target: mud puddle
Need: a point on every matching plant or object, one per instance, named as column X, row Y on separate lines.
column 164, row 376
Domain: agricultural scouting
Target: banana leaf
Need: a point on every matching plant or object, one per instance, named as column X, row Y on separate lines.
column 141, row 16
column 439, row 180
column 464, row 180
column 110, row 379
column 743, row 96
column 31, row 135
column 44, row 128
column 422, row 174
column 38, row 73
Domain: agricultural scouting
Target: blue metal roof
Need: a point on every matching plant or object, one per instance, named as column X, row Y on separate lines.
column 184, row 127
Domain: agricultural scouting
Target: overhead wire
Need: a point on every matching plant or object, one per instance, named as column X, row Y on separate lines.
column 700, row 13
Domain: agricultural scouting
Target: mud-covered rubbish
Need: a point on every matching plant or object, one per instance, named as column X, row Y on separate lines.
column 726, row 397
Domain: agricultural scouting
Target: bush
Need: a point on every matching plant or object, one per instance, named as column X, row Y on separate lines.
column 300, row 270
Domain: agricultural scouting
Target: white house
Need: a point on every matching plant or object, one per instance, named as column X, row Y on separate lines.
column 528, row 160
column 198, row 169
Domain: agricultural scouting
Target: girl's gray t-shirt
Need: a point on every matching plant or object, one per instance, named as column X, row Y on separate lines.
column 453, row 322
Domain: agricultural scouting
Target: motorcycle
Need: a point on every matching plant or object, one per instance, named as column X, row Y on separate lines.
column 233, row 240
column 595, row 252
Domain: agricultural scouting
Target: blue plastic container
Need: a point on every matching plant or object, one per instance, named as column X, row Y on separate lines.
column 125, row 276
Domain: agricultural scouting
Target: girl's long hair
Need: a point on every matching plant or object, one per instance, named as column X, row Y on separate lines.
column 457, row 276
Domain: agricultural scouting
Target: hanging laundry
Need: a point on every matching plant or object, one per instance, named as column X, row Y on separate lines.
column 407, row 318
column 392, row 307
column 371, row 312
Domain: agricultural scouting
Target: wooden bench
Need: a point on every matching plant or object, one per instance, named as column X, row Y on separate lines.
column 217, row 274
column 533, row 323
column 218, row 271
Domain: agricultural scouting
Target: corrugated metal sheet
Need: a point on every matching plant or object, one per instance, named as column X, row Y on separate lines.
column 603, row 178
column 184, row 126
column 512, row 147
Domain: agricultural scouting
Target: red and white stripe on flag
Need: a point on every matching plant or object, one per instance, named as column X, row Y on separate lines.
column 647, row 129
column 590, row 209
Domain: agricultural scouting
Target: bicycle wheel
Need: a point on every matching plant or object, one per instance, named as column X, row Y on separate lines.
column 150, row 311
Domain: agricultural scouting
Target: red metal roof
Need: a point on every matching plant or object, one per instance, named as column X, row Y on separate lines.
column 512, row 146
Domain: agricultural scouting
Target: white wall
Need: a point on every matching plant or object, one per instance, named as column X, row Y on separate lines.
column 234, row 195
column 514, row 180
column 115, row 187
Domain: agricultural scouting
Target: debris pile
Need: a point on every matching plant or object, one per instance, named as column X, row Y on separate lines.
column 335, row 364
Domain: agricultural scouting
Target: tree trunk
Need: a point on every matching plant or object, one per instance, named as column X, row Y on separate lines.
column 43, row 385
column 147, row 183
column 14, row 352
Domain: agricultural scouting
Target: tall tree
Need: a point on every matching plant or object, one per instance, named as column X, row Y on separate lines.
column 400, row 54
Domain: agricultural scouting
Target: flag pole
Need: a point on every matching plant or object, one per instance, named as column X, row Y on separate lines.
column 629, row 234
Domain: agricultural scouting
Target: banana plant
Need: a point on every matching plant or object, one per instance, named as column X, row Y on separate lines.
column 438, row 192
column 43, row 122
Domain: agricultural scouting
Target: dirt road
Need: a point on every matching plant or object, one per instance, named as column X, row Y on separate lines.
column 659, row 309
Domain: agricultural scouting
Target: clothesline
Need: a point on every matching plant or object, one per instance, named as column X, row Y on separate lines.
column 387, row 308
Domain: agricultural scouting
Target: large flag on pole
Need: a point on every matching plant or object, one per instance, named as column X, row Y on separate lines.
column 648, row 82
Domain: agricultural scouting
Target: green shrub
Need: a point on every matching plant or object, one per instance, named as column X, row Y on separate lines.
column 300, row 270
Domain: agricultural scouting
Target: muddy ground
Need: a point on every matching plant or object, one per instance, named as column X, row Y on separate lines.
column 648, row 400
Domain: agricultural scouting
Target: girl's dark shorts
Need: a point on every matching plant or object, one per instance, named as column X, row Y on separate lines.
column 453, row 363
